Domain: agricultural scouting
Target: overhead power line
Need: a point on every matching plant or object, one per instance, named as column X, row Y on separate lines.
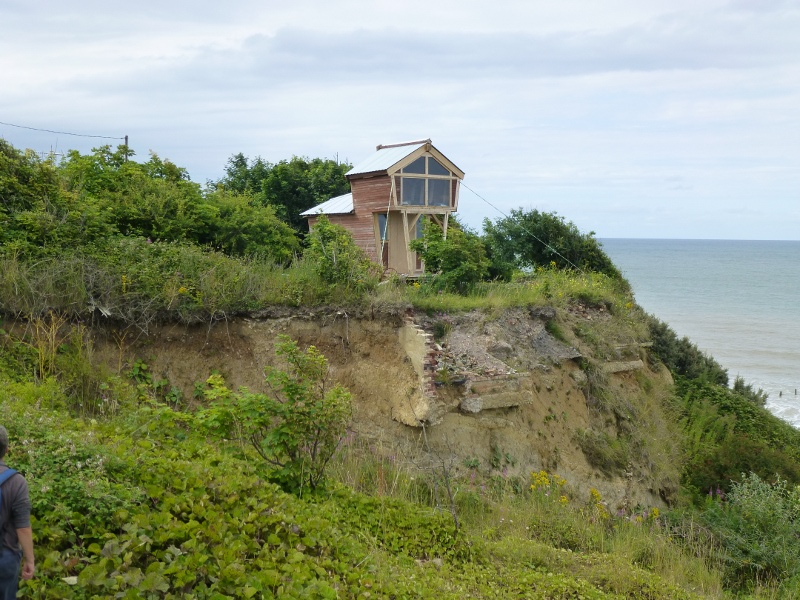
column 577, row 268
column 105, row 137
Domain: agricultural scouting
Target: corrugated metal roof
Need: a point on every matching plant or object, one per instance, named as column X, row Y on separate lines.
column 384, row 159
column 340, row 205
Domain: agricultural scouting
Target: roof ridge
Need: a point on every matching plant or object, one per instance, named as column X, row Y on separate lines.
column 397, row 145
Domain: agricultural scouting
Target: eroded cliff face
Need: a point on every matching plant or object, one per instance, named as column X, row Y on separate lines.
column 496, row 391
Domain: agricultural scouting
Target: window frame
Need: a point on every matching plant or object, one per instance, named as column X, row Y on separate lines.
column 402, row 175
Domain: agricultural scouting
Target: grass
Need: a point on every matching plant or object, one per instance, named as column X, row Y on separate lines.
column 544, row 288
column 137, row 282
column 564, row 533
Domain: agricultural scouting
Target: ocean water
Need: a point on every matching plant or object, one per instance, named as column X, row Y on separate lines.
column 739, row 301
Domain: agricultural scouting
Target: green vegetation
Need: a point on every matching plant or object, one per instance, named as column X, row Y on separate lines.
column 337, row 260
column 133, row 498
column 530, row 239
column 682, row 357
column 290, row 186
column 456, row 263
column 296, row 428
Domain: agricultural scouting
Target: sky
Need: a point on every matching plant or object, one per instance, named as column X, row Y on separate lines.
column 631, row 118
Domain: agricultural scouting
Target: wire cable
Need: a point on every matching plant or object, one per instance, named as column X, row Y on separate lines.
column 546, row 245
column 105, row 137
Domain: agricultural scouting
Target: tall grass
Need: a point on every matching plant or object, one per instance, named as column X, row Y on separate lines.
column 138, row 283
column 561, row 530
column 545, row 287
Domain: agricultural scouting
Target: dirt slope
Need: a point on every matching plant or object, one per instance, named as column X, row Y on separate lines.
column 494, row 392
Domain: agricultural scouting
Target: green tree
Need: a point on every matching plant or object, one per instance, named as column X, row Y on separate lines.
column 296, row 427
column 527, row 239
column 37, row 215
column 455, row 263
column 242, row 229
column 243, row 176
column 289, row 186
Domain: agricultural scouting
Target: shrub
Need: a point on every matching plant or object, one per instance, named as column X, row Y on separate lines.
column 455, row 263
column 336, row 258
column 756, row 396
column 297, row 427
column 682, row 357
column 758, row 525
column 529, row 239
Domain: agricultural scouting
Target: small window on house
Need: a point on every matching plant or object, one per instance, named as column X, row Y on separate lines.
column 438, row 192
column 382, row 227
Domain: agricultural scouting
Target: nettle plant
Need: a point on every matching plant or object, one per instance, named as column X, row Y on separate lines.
column 296, row 427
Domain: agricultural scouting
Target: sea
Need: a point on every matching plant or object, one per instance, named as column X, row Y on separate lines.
column 738, row 300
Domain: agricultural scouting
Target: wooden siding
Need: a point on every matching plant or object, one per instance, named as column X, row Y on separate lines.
column 371, row 196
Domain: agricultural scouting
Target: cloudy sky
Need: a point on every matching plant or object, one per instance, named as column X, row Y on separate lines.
column 632, row 118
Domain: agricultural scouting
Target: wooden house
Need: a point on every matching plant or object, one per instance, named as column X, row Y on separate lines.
column 393, row 193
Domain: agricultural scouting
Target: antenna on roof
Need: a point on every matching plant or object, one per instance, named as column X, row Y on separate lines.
column 415, row 143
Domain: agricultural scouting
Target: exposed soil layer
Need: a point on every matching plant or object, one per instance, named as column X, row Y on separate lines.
column 510, row 397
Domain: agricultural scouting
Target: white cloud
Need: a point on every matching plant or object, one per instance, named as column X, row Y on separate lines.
column 670, row 116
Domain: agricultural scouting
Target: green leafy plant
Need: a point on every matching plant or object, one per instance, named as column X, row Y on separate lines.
column 529, row 239
column 455, row 263
column 296, row 427
column 758, row 524
column 336, row 258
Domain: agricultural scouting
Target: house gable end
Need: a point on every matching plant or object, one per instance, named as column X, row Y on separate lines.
column 388, row 160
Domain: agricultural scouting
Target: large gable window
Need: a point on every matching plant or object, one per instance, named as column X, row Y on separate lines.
column 426, row 182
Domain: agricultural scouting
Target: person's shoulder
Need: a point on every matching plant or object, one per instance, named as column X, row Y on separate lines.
column 17, row 479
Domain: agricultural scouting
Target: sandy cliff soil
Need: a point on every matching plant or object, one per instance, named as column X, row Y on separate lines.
column 498, row 391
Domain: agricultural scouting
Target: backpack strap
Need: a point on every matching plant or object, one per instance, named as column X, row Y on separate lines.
column 5, row 475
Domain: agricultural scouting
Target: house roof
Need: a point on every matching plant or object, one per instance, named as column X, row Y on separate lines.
column 391, row 157
column 340, row 205
column 386, row 157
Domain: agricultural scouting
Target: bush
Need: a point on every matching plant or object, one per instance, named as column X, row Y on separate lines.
column 529, row 239
column 682, row 357
column 455, row 263
column 336, row 258
column 758, row 525
column 296, row 428
column 756, row 396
